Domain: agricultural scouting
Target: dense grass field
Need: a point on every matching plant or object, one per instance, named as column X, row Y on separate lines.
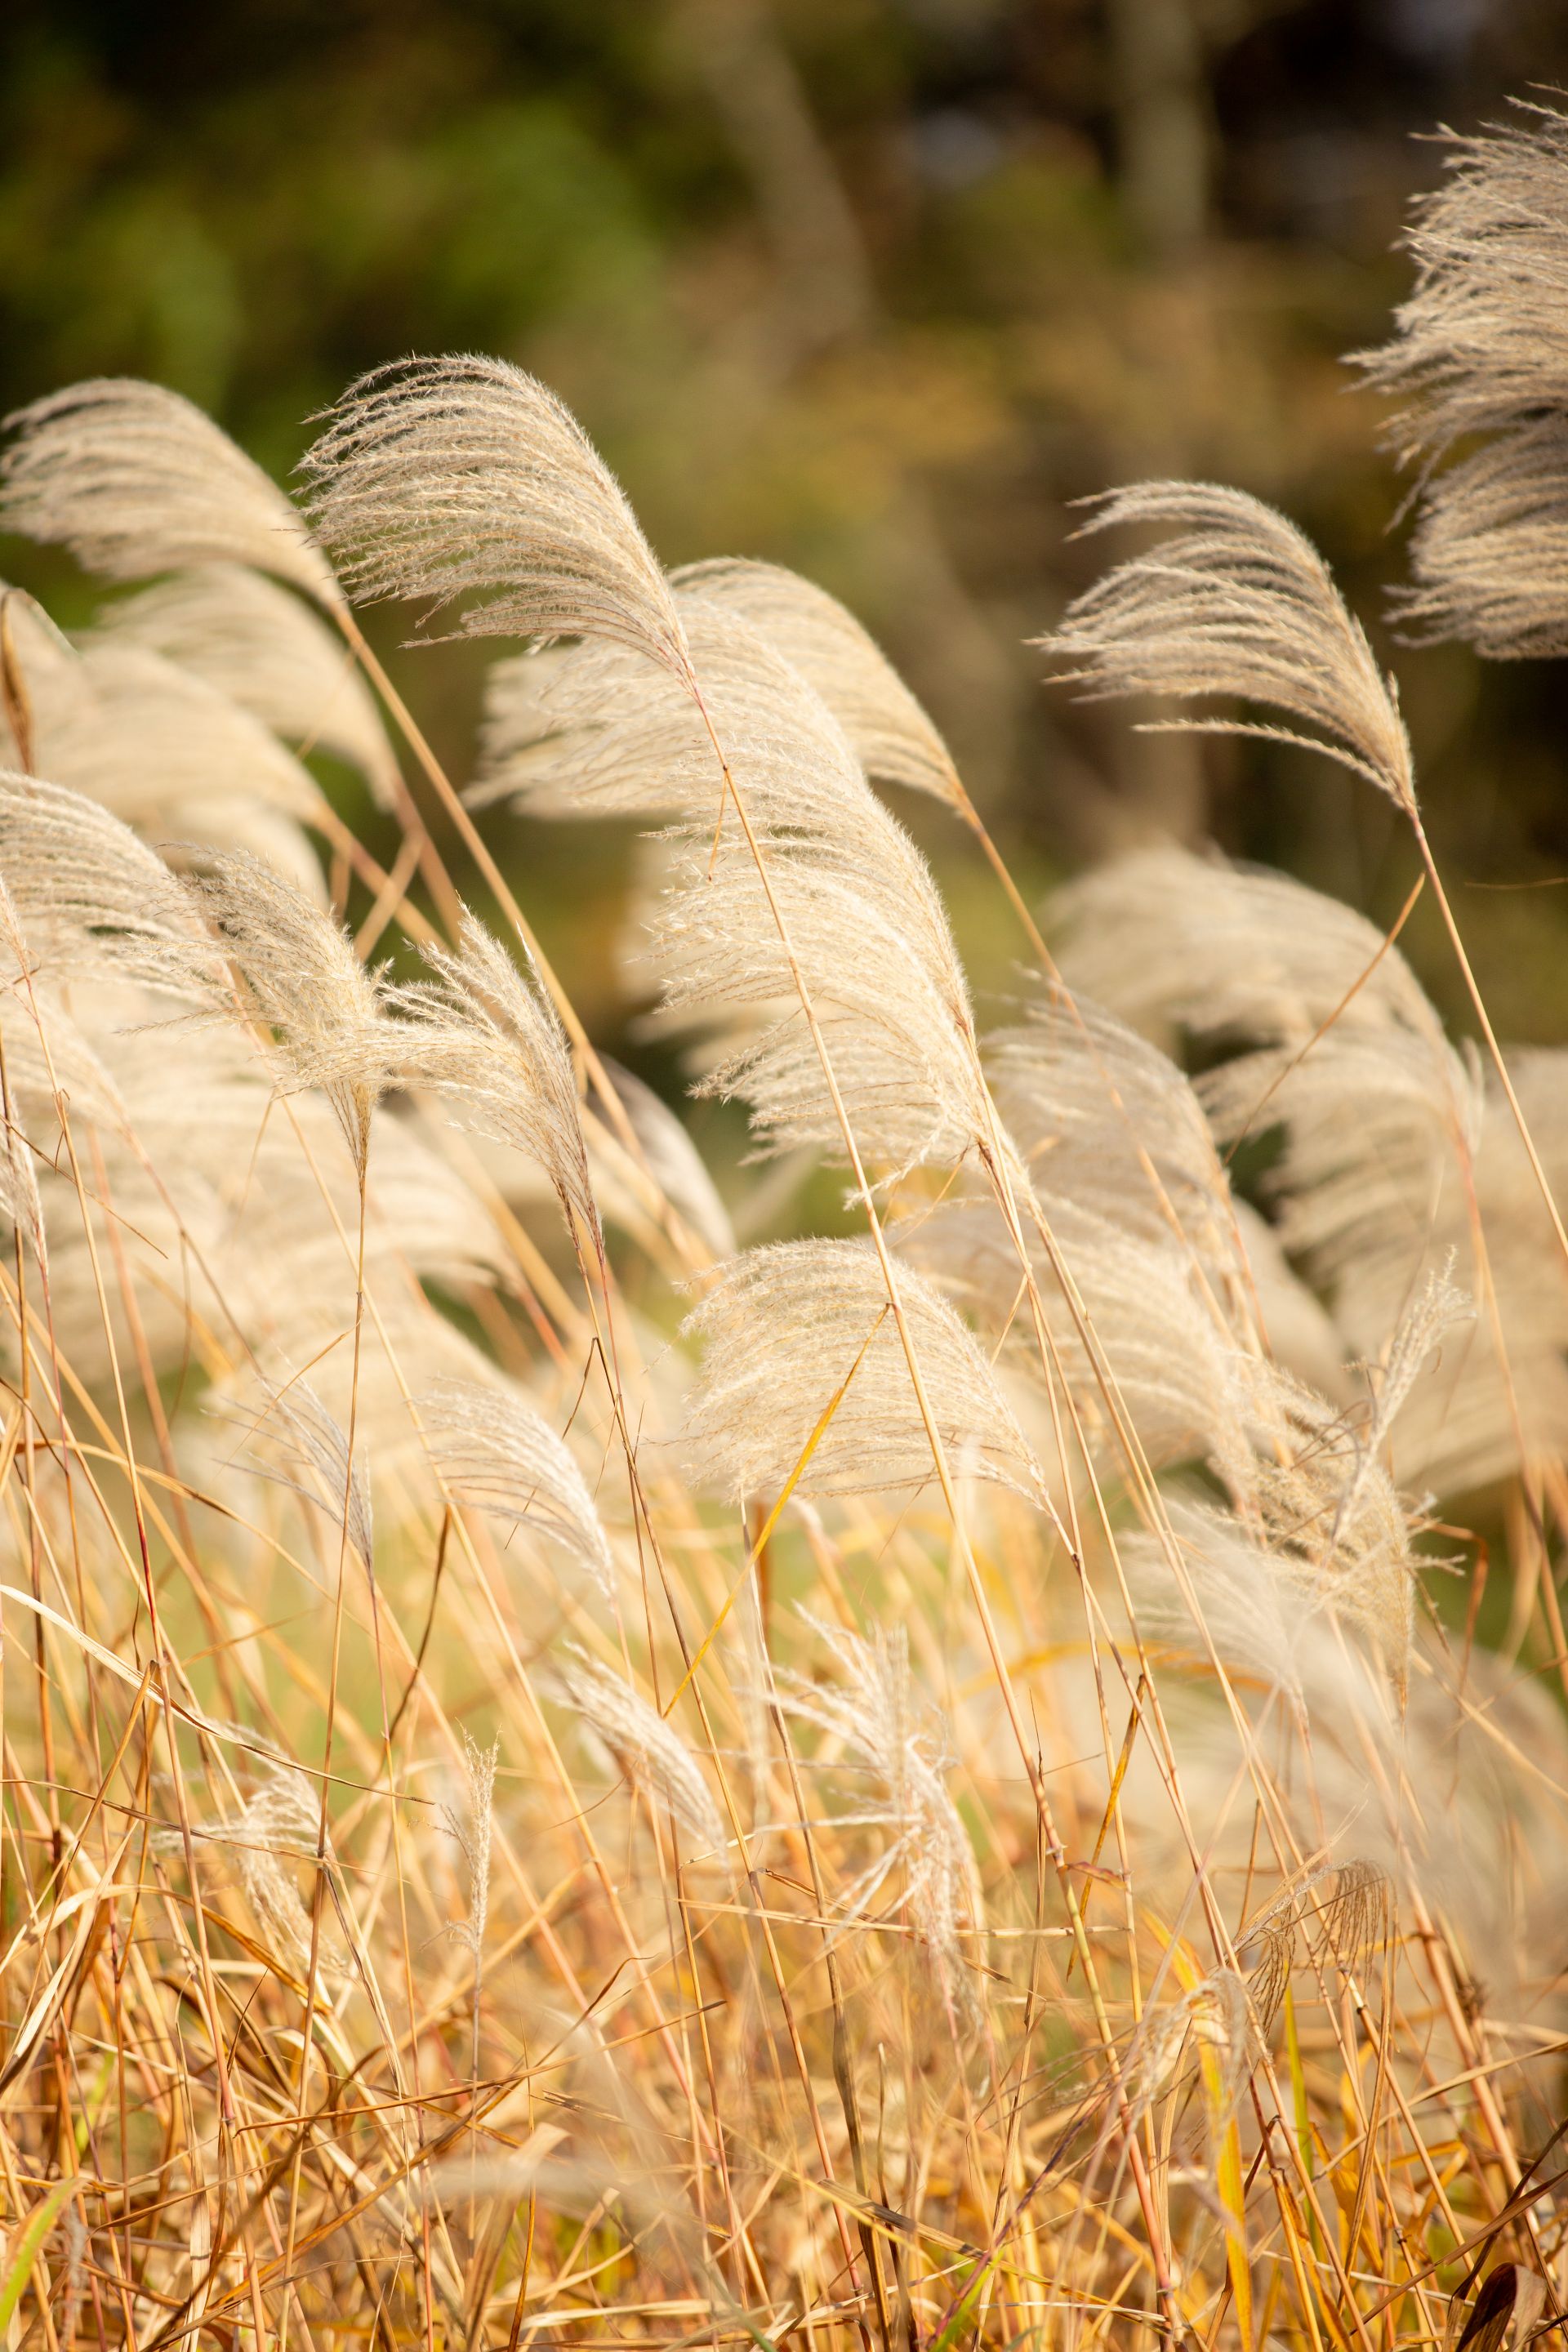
column 577, row 1773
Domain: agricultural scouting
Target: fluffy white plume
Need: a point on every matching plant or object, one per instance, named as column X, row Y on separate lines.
column 496, row 1452
column 869, row 932
column 134, row 480
column 1123, row 1168
column 890, row 734
column 88, row 893
column 1481, row 348
column 1169, row 939
column 593, row 732
column 167, row 751
column 483, row 1035
column 1238, row 605
column 263, row 649
column 880, row 1723
column 313, row 1461
column 785, row 1328
column 649, row 1749
column 436, row 476
column 1384, row 1130
column 307, row 983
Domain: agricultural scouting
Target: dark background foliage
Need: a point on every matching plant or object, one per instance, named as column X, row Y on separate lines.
column 877, row 288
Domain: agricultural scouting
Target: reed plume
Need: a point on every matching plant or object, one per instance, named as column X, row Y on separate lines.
column 240, row 633
column 1479, row 357
column 134, row 480
column 498, row 1454
column 305, row 982
column 483, row 1035
column 1238, row 605
column 434, row 477
column 805, row 1381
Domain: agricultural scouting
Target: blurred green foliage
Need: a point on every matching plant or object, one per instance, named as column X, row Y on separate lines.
column 876, row 288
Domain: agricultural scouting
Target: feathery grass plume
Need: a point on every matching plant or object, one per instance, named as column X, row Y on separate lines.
column 1341, row 1925
column 438, row 475
column 586, row 730
column 1480, row 348
column 471, row 1829
column 890, row 734
column 880, row 1723
column 1211, row 2016
column 254, row 643
column 496, row 1452
column 313, row 1461
column 1238, row 605
column 89, row 896
column 135, row 479
column 1437, row 1307
column 1247, row 1607
column 168, row 752
column 897, row 1020
column 482, row 1034
column 593, row 732
column 1328, row 1513
column 1170, row 940
column 1379, row 1120
column 143, row 735
column 1167, row 1344
column 1104, row 1118
column 321, row 1004
column 1374, row 1124
column 278, row 1824
column 650, row 1751
column 788, row 1327
column 1122, row 1165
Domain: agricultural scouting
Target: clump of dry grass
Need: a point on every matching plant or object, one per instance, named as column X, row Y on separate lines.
column 567, row 1781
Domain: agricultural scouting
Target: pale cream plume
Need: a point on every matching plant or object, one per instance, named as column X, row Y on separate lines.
column 483, row 1035
column 785, row 1328
column 649, row 1749
column 889, row 733
column 134, row 480
column 879, row 1720
column 434, row 477
column 496, row 1452
column 307, row 983
column 1238, row 605
column 1481, row 348
column 248, row 638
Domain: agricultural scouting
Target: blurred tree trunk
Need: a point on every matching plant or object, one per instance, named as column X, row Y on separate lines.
column 826, row 299
column 1161, row 102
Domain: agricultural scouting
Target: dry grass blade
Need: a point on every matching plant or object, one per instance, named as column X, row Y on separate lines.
column 1238, row 605
column 135, row 479
column 436, row 476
